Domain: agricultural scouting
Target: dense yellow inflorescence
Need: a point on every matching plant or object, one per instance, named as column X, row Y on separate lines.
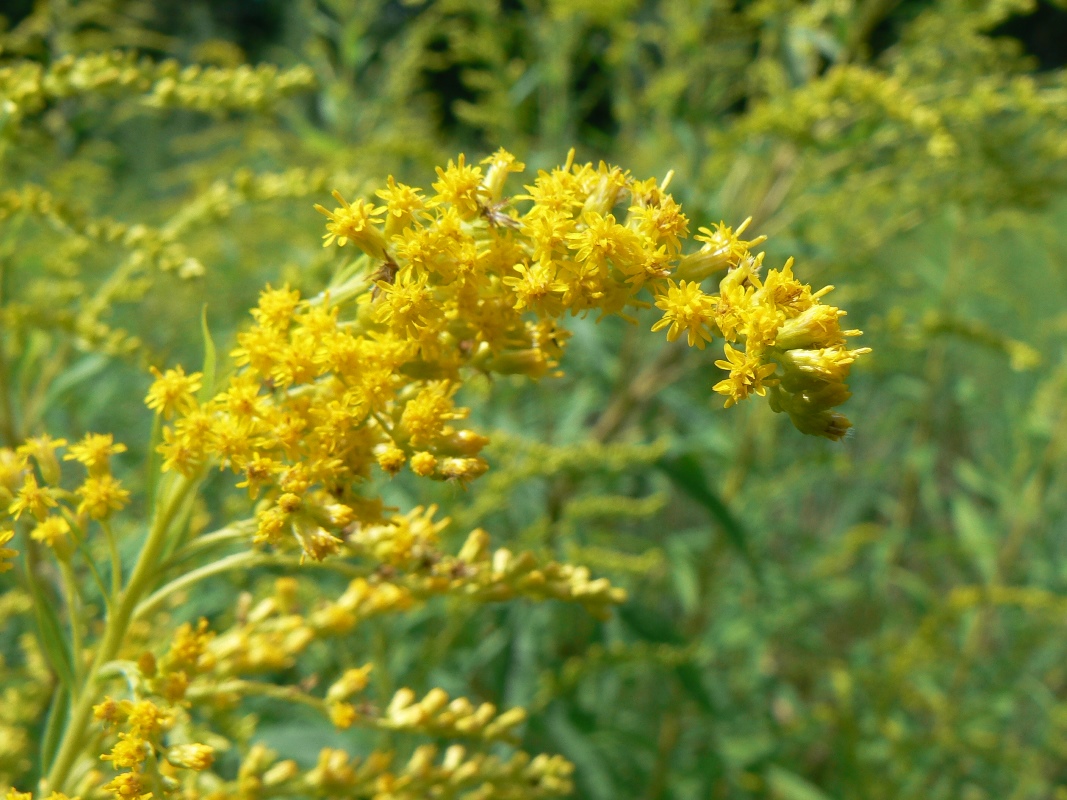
column 467, row 280
column 330, row 396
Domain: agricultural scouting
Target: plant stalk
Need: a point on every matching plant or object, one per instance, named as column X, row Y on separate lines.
column 114, row 633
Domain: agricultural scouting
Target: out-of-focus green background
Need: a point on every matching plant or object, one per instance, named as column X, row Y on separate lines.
column 880, row 618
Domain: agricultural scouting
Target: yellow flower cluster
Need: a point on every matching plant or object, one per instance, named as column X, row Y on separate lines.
column 139, row 751
column 464, row 280
column 60, row 516
column 793, row 343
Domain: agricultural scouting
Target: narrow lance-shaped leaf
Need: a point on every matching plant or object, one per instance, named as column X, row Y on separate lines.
column 207, row 387
column 688, row 475
column 50, row 631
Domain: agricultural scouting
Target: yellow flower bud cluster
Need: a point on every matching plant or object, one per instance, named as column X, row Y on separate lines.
column 266, row 637
column 475, row 777
column 505, row 575
column 361, row 600
column 187, row 658
column 436, row 715
column 242, row 88
column 782, row 324
column 139, row 751
column 26, row 86
column 846, row 96
column 475, row 572
column 777, row 319
column 143, row 730
column 405, row 541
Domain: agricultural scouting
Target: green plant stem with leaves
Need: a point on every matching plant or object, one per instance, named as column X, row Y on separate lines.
column 173, row 494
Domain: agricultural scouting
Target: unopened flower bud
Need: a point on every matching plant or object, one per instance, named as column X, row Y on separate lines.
column 423, row 464
column 816, row 327
column 191, row 756
column 462, row 443
column 352, row 682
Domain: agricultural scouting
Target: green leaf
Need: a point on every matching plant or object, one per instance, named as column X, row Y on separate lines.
column 686, row 473
column 684, row 578
column 649, row 624
column 207, row 387
column 154, row 463
column 786, row 785
column 692, row 680
column 53, row 728
column 80, row 372
column 976, row 536
column 652, row 626
column 50, row 633
column 573, row 735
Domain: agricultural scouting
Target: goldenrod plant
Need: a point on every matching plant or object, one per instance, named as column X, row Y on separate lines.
column 327, row 397
column 803, row 619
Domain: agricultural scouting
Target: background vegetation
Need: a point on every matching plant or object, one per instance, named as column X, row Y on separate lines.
column 881, row 618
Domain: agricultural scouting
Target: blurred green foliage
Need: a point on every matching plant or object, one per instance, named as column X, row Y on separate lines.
column 877, row 619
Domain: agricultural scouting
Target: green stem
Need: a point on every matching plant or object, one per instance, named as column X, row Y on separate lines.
column 70, row 590
column 240, row 561
column 231, row 533
column 114, row 633
column 184, row 581
column 154, row 774
column 79, row 540
column 340, row 294
column 57, row 716
column 35, row 404
column 246, row 688
column 154, row 461
column 116, row 560
column 8, row 427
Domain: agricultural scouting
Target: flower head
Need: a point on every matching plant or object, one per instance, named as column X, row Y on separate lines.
column 748, row 375
column 52, row 531
column 685, row 308
column 459, row 185
column 402, row 202
column 33, row 498
column 173, row 391
column 191, row 756
column 101, row 495
column 6, row 553
column 94, row 451
column 43, row 450
column 355, row 222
